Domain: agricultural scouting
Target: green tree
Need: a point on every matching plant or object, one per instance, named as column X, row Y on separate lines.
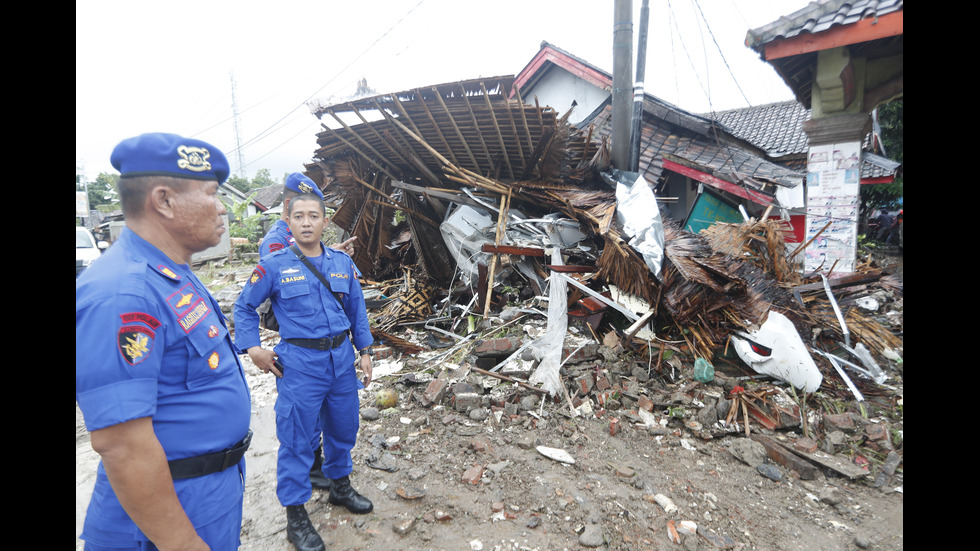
column 239, row 183
column 888, row 196
column 263, row 179
column 102, row 191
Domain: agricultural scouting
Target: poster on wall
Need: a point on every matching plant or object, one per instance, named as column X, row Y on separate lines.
column 833, row 179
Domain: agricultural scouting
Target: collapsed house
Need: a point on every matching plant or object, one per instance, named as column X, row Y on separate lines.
column 466, row 196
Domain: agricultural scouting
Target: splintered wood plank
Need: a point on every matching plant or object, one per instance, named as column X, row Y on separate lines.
column 787, row 457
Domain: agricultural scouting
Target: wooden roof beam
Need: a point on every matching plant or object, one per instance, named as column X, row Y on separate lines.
column 375, row 132
column 438, row 131
column 496, row 127
column 459, row 133
column 479, row 133
column 359, row 138
column 359, row 152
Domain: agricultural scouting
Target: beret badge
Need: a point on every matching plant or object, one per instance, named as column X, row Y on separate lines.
column 194, row 158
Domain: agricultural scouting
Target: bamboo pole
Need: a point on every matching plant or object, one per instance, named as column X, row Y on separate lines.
column 501, row 227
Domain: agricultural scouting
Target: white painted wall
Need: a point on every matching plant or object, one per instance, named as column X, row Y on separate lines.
column 558, row 89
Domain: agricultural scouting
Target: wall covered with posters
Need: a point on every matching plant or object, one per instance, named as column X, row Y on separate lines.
column 833, row 198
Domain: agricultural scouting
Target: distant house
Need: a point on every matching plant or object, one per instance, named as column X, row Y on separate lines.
column 753, row 158
column 777, row 130
column 678, row 150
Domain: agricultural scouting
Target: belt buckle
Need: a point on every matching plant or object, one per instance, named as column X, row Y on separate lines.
column 231, row 452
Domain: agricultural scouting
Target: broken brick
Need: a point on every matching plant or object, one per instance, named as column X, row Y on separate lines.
column 473, row 475
column 496, row 347
column 841, row 421
column 806, row 445
column 644, row 403
column 435, row 392
column 614, row 426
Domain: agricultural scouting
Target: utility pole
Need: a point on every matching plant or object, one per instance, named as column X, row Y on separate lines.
column 636, row 132
column 622, row 86
column 238, row 132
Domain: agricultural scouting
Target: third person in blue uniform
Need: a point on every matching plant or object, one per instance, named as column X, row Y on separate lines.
column 315, row 362
column 277, row 238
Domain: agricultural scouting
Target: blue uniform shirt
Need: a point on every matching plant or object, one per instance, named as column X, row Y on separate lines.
column 304, row 308
column 150, row 341
column 279, row 237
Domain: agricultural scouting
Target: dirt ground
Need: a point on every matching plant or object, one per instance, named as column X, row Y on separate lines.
column 454, row 481
column 443, row 479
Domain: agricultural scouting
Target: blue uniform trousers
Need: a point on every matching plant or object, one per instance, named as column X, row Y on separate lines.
column 325, row 389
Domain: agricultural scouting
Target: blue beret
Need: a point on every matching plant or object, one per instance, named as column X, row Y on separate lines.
column 301, row 184
column 169, row 155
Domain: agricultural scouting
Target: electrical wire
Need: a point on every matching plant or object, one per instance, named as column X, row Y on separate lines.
column 271, row 129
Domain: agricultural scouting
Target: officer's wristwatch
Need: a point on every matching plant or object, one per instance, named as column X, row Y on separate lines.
column 368, row 351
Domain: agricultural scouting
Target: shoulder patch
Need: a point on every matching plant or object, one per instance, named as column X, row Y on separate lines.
column 135, row 343
column 167, row 272
column 141, row 317
column 257, row 274
column 273, row 247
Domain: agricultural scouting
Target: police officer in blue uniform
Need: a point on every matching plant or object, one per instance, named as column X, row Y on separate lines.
column 317, row 324
column 277, row 238
column 157, row 377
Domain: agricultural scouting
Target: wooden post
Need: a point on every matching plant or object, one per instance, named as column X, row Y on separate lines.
column 501, row 227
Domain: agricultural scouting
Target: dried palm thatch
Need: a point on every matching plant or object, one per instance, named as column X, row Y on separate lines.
column 862, row 328
column 709, row 293
column 384, row 338
column 620, row 265
column 760, row 242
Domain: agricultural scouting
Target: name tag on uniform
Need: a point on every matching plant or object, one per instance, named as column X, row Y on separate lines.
column 291, row 275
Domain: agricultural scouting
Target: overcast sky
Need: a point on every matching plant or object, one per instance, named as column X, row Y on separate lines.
column 153, row 66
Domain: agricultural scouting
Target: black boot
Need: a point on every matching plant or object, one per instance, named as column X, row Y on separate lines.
column 316, row 475
column 343, row 494
column 300, row 531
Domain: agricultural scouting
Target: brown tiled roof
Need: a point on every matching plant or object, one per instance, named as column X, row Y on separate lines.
column 268, row 196
column 711, row 152
column 776, row 128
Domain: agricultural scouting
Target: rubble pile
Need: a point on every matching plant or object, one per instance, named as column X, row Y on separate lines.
column 483, row 221
column 510, row 274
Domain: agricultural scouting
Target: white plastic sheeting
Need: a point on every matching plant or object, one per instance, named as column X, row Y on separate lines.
column 548, row 347
column 639, row 216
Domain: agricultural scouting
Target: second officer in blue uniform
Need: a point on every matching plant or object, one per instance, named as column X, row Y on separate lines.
column 318, row 377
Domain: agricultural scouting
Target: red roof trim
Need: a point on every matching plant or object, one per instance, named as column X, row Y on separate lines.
column 864, row 30
column 714, row 181
column 578, row 68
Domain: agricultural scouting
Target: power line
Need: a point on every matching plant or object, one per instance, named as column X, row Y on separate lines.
column 268, row 130
column 720, row 52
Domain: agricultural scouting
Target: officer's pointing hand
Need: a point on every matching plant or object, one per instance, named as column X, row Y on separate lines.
column 346, row 246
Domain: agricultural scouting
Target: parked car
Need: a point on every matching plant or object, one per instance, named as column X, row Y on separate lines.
column 87, row 249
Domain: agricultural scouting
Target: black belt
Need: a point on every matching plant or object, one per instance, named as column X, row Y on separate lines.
column 328, row 343
column 192, row 467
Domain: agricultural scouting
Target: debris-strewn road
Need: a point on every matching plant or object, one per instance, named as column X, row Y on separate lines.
column 476, row 480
